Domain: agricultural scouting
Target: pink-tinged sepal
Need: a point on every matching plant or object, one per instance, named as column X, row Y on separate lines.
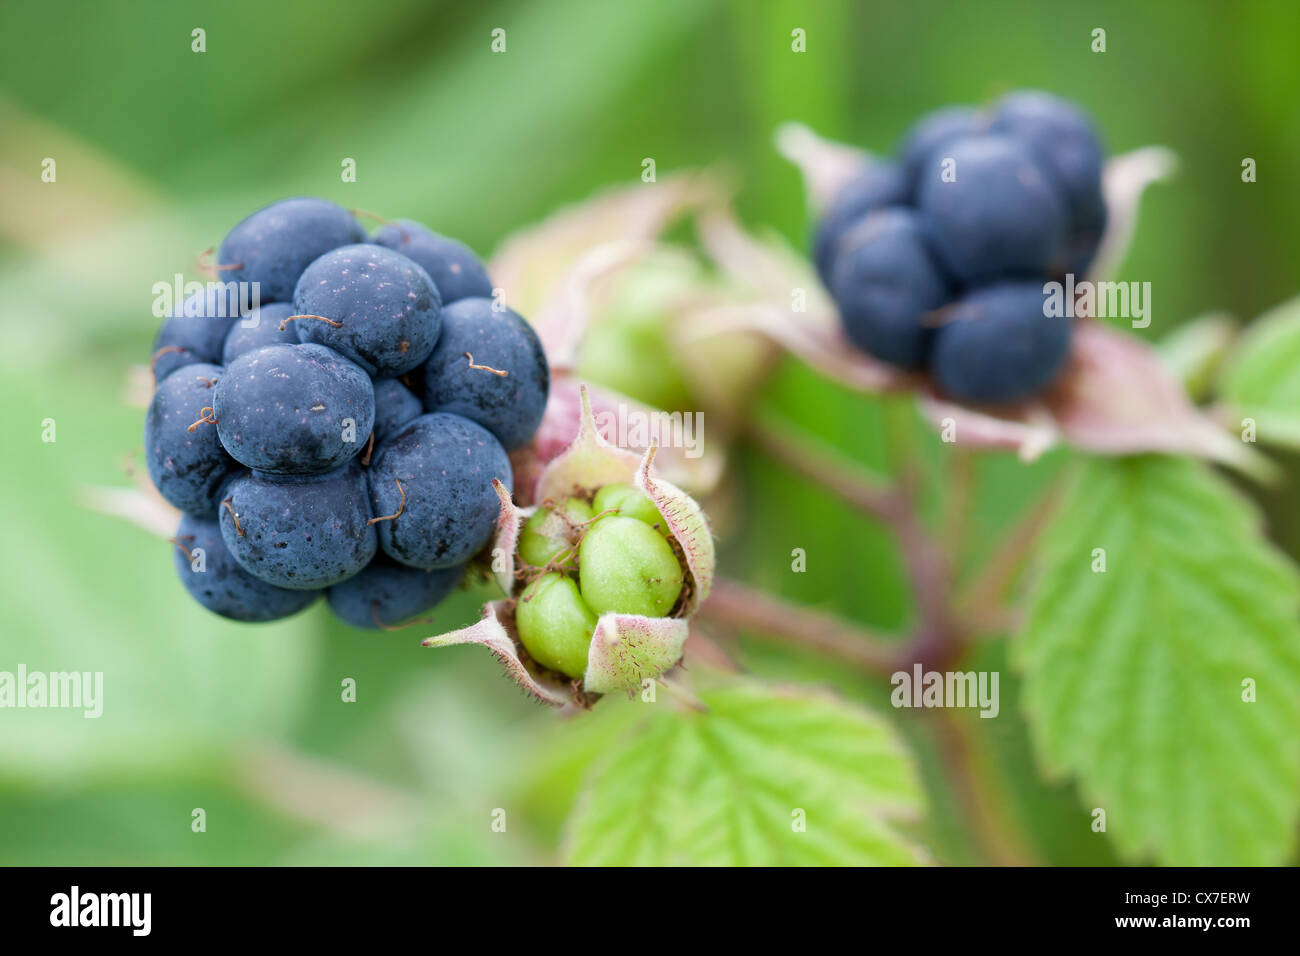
column 688, row 526
column 826, row 166
column 540, row 267
column 510, row 520
column 493, row 631
column 627, row 650
column 1124, row 179
column 778, row 278
column 822, row 347
column 1115, row 398
column 695, row 469
column 588, row 463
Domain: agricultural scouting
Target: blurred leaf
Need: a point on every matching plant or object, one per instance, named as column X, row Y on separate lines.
column 1262, row 378
column 561, row 755
column 726, row 787
column 242, row 65
column 449, row 843
column 1194, row 352
column 121, row 822
column 628, row 348
column 356, row 818
column 390, row 106
column 1133, row 676
column 1048, row 812
column 85, row 592
column 942, row 830
column 383, row 732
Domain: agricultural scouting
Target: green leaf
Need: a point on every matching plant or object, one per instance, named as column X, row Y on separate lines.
column 559, row 756
column 1134, row 676
column 144, row 821
column 84, row 592
column 1196, row 350
column 1262, row 379
column 725, row 787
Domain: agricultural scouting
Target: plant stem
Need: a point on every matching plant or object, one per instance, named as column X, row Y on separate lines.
column 944, row 625
column 961, row 494
column 937, row 637
column 981, row 799
column 737, row 606
column 861, row 488
column 981, row 601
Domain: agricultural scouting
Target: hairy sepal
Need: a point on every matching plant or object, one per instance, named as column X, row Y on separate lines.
column 587, row 464
column 493, row 631
column 1115, row 397
column 688, row 525
column 627, row 650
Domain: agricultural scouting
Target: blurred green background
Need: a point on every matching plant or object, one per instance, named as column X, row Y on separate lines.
column 160, row 150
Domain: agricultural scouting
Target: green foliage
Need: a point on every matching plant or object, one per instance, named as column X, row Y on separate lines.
column 629, row 348
column 90, row 593
column 1133, row 676
column 561, row 755
column 1262, row 382
column 727, row 787
column 120, row 821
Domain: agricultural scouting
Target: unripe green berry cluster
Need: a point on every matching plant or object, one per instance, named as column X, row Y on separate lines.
column 612, row 554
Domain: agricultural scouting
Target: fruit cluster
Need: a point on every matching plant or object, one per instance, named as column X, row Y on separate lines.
column 342, row 436
column 937, row 261
column 612, row 554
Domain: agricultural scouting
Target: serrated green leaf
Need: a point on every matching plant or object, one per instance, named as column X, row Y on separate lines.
column 1134, row 676
column 1262, row 379
column 727, row 786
